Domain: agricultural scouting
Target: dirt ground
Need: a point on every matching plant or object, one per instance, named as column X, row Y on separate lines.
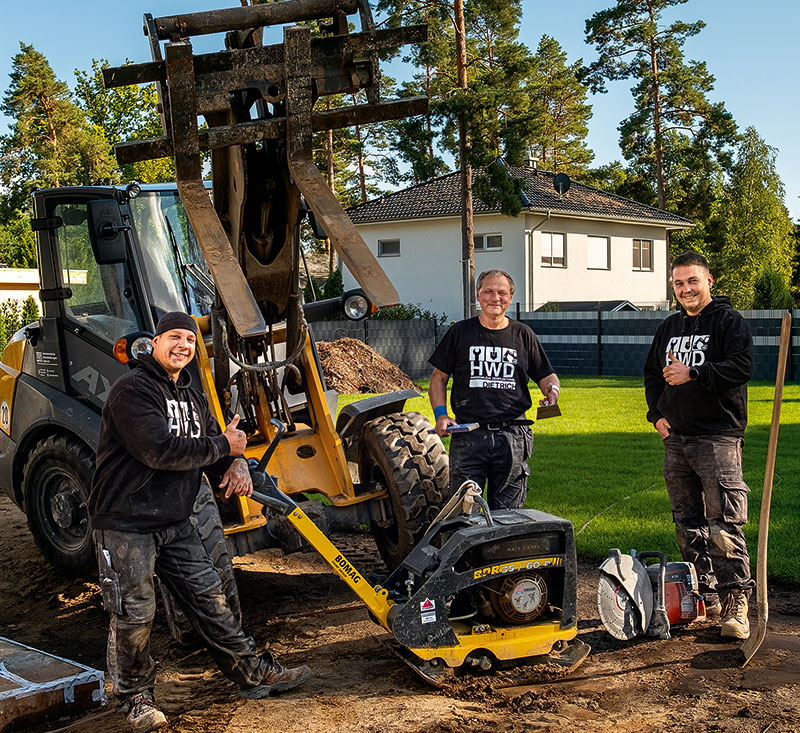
column 693, row 682
column 352, row 367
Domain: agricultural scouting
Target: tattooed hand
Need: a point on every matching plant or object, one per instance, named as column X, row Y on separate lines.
column 237, row 479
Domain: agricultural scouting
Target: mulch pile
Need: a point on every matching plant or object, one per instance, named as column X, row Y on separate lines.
column 352, row 367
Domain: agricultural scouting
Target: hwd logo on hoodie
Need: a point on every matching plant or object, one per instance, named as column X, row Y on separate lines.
column 178, row 420
column 689, row 350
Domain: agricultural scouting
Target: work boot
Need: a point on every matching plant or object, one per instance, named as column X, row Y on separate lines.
column 713, row 605
column 735, row 624
column 277, row 679
column 143, row 713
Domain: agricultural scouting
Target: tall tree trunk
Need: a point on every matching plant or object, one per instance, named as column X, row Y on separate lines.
column 657, row 132
column 464, row 146
column 52, row 135
column 329, row 152
column 362, row 179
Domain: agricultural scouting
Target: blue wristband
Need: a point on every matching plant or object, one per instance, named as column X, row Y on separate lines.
column 439, row 411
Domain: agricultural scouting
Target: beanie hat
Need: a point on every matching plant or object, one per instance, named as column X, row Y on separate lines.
column 176, row 319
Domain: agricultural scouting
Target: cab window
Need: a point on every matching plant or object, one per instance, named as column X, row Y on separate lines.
column 102, row 298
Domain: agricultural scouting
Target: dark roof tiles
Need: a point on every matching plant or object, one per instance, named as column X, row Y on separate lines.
column 441, row 197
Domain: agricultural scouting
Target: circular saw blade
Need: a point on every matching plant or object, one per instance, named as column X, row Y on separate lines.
column 619, row 612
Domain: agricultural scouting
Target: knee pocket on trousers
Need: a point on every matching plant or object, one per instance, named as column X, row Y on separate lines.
column 112, row 594
column 733, row 501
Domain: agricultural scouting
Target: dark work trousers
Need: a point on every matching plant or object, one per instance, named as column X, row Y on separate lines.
column 499, row 457
column 176, row 554
column 709, row 506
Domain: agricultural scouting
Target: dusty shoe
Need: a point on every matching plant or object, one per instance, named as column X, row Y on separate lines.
column 735, row 624
column 713, row 605
column 143, row 713
column 277, row 679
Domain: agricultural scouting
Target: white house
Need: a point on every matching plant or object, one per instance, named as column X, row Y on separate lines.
column 584, row 245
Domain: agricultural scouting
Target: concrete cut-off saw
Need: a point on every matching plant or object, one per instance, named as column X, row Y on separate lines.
column 481, row 590
column 634, row 597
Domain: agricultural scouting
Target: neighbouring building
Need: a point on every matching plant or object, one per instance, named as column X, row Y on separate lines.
column 585, row 245
column 17, row 283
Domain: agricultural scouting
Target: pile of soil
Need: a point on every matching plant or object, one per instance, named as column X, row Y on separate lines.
column 352, row 367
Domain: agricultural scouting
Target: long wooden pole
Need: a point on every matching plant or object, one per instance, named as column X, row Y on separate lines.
column 751, row 645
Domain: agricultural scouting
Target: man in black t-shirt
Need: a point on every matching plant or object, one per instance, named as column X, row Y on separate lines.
column 491, row 358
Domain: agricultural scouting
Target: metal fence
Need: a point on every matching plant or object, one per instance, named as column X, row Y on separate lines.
column 588, row 343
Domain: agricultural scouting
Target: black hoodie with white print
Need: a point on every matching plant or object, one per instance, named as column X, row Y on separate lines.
column 157, row 437
column 717, row 342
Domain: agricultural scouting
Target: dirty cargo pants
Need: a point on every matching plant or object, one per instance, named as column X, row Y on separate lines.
column 499, row 457
column 709, row 506
column 176, row 554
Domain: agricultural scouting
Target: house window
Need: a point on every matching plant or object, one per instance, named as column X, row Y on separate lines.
column 388, row 248
column 487, row 241
column 642, row 254
column 554, row 249
column 598, row 253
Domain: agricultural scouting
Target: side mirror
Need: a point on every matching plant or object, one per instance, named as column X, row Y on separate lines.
column 107, row 232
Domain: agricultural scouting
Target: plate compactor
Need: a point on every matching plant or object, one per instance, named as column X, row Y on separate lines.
column 636, row 598
column 481, row 590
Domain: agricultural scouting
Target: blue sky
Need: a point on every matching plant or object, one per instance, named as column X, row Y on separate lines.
column 752, row 50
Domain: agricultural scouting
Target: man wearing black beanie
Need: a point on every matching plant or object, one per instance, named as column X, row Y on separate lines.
column 156, row 439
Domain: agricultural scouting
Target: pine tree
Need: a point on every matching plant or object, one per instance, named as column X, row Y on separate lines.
column 51, row 142
column 670, row 94
column 756, row 228
column 558, row 102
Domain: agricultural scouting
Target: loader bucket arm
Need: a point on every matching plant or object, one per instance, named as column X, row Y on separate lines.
column 258, row 102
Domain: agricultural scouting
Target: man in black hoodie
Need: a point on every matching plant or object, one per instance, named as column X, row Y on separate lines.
column 695, row 382
column 156, row 439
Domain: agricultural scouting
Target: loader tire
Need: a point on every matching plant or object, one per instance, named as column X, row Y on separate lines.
column 398, row 453
column 205, row 516
column 55, row 483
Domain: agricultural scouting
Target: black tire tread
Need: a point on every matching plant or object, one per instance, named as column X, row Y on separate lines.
column 74, row 452
column 416, row 467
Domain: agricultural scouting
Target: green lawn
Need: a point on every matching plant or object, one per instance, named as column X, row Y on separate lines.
column 599, row 465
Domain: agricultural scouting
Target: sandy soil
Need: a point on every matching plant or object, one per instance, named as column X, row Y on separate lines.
column 693, row 682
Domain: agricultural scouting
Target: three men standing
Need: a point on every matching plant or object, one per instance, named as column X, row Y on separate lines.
column 695, row 381
column 491, row 358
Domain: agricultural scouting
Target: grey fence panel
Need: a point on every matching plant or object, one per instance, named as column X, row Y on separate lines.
column 405, row 343
column 626, row 337
column 794, row 350
column 569, row 339
column 334, row 330
column 606, row 344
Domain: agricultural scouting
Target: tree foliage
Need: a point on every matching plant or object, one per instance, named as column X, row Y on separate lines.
column 17, row 244
column 51, row 143
column 675, row 135
column 124, row 113
column 559, row 110
column 756, row 229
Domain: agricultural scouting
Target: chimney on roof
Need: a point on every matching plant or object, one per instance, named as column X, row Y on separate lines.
column 533, row 164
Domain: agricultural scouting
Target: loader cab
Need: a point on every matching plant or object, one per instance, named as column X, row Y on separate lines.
column 112, row 260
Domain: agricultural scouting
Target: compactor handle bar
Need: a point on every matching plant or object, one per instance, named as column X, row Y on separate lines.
column 274, row 498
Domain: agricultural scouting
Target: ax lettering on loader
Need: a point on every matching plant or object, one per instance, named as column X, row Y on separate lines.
column 751, row 645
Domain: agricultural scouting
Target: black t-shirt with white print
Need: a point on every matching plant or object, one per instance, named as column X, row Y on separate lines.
column 490, row 369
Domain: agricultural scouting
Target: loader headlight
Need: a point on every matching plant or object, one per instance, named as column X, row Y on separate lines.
column 355, row 305
column 133, row 346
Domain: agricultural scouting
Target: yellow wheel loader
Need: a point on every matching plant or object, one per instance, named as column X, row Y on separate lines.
column 112, row 260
